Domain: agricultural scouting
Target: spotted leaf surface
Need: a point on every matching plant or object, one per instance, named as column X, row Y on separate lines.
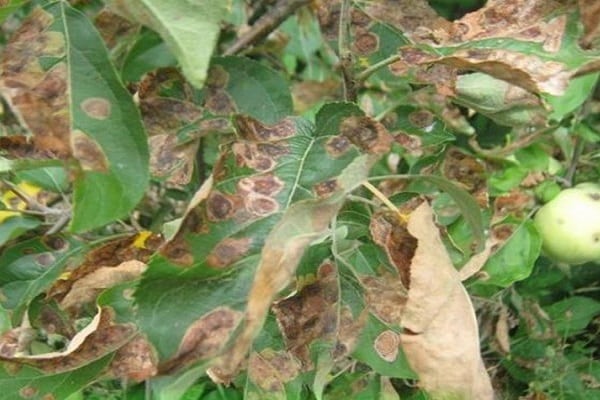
column 66, row 93
column 275, row 189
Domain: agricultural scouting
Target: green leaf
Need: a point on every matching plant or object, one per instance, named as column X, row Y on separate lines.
column 15, row 226
column 189, row 28
column 514, row 261
column 572, row 314
column 365, row 352
column 148, row 53
column 253, row 88
column 29, row 383
column 465, row 202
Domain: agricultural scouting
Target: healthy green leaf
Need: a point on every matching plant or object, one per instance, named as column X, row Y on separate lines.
column 572, row 314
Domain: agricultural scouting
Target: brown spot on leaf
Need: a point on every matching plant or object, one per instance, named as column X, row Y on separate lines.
column 228, row 251
column 89, row 153
column 267, row 185
column 258, row 156
column 259, row 205
column 367, row 134
column 252, row 129
column 386, row 296
column 271, row 369
column 366, row 43
column 217, row 77
column 170, row 160
column 421, row 118
column 337, row 146
column 163, row 115
column 328, row 14
column 55, row 243
column 219, row 102
column 387, row 344
column 389, row 232
column 109, row 254
column 96, row 107
column 45, row 259
column 28, row 392
column 326, row 188
column 204, row 338
column 136, row 361
column 359, row 18
column 219, row 206
column 178, row 251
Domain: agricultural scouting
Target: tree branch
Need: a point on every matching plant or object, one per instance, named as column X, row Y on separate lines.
column 265, row 25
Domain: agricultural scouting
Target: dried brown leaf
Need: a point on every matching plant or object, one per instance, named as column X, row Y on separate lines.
column 441, row 329
column 88, row 287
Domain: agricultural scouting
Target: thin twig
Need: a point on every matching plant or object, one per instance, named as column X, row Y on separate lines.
column 364, row 74
column 265, row 25
column 346, row 58
column 577, row 151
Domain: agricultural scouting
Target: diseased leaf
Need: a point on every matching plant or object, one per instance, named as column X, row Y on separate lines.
column 31, row 383
column 99, row 338
column 32, row 266
column 53, row 91
column 189, row 28
column 515, row 259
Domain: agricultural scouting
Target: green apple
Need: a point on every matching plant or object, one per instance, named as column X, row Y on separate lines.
column 570, row 225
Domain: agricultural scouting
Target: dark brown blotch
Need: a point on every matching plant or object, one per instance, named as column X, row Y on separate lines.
column 88, row 152
column 204, row 338
column 252, row 129
column 326, row 188
column 220, row 103
column 217, row 77
column 366, row 43
column 367, row 134
column 267, row 185
column 421, row 118
column 337, row 145
column 228, row 251
column 219, row 207
column 259, row 205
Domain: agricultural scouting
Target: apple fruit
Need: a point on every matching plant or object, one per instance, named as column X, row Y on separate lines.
column 569, row 225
